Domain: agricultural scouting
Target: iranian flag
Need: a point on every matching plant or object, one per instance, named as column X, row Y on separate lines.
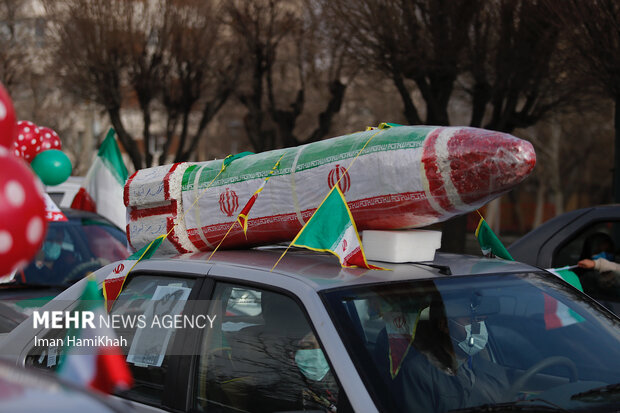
column 113, row 284
column 568, row 275
column 489, row 243
column 400, row 328
column 558, row 314
column 101, row 367
column 102, row 190
column 331, row 228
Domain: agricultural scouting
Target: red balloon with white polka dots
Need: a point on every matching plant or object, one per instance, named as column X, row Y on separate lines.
column 51, row 140
column 29, row 141
column 22, row 213
column 8, row 123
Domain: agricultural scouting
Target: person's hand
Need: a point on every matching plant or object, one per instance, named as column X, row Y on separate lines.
column 587, row 264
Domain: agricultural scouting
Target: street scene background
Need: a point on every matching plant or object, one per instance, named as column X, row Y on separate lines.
column 194, row 80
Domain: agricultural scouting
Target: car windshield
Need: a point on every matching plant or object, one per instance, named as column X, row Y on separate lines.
column 72, row 249
column 456, row 343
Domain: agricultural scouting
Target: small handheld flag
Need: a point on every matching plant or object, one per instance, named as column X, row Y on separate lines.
column 567, row 275
column 243, row 215
column 489, row 243
column 103, row 368
column 113, row 284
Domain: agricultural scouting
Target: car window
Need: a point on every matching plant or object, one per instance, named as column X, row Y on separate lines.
column 147, row 348
column 592, row 240
column 71, row 250
column 105, row 241
column 262, row 355
column 439, row 345
column 599, row 240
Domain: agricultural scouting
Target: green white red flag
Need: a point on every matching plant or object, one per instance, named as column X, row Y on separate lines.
column 558, row 314
column 102, row 190
column 400, row 327
column 331, row 228
column 489, row 243
column 104, row 367
column 568, row 275
column 114, row 282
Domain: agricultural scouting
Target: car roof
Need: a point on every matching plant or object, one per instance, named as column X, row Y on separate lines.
column 322, row 271
column 79, row 213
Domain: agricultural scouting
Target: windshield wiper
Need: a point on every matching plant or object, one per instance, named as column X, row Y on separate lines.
column 517, row 406
column 597, row 393
column 443, row 269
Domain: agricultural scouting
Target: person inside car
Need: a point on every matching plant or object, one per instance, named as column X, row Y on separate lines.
column 449, row 367
column 321, row 389
column 55, row 259
column 598, row 254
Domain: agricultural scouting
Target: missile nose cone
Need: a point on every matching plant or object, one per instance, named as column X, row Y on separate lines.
column 467, row 167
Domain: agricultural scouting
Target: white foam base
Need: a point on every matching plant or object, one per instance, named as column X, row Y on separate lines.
column 401, row 246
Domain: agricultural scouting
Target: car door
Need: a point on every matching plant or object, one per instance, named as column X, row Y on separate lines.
column 156, row 354
column 262, row 355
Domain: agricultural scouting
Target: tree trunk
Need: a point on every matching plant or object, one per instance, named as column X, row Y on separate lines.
column 453, row 234
column 126, row 140
column 411, row 113
column 539, row 212
column 494, row 215
column 555, row 148
column 617, row 150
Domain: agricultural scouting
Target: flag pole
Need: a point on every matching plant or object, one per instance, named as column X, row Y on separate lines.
column 271, row 172
column 222, row 240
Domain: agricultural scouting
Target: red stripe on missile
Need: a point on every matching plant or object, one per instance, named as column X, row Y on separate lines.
column 126, row 188
column 167, row 180
column 172, row 236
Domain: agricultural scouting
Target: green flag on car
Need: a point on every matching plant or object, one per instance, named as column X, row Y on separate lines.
column 489, row 243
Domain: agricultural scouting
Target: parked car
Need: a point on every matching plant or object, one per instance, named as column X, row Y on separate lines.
column 456, row 333
column 30, row 390
column 71, row 250
column 63, row 194
column 575, row 235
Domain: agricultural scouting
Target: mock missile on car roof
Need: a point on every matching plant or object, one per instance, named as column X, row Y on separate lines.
column 404, row 177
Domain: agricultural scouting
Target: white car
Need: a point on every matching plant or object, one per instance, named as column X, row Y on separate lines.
column 63, row 194
column 458, row 333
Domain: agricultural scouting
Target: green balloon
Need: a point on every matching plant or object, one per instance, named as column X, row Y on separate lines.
column 52, row 166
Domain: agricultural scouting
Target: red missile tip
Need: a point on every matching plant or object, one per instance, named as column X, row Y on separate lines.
column 467, row 167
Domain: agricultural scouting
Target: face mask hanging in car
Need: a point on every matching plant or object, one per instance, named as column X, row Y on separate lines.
column 474, row 342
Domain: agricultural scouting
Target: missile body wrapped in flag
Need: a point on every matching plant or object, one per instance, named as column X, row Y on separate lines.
column 405, row 177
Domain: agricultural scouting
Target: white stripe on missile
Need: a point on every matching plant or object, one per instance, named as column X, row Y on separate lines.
column 427, row 192
column 442, row 156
